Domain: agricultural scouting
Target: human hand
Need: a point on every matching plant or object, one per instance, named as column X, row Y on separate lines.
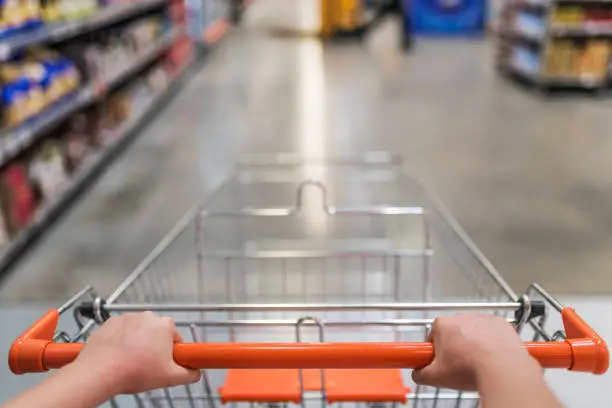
column 133, row 353
column 469, row 346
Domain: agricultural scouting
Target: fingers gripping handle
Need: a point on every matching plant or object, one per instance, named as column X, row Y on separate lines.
column 584, row 350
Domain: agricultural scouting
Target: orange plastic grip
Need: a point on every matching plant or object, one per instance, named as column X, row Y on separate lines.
column 583, row 351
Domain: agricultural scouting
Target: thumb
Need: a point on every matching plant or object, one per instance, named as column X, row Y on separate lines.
column 427, row 375
column 182, row 376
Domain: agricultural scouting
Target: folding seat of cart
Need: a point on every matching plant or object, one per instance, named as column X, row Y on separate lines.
column 341, row 385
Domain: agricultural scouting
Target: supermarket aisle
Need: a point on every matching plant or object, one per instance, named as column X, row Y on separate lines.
column 538, row 208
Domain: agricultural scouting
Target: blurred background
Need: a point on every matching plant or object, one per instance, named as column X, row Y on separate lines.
column 119, row 115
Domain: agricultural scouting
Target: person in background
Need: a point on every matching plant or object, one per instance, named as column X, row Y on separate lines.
column 132, row 353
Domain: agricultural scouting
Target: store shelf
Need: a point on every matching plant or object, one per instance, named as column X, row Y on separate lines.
column 589, row 29
column 516, row 35
column 541, row 32
column 92, row 167
column 535, row 4
column 16, row 140
column 583, row 82
column 63, row 31
column 512, row 69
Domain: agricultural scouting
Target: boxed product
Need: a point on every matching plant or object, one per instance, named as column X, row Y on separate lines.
column 47, row 170
column 16, row 197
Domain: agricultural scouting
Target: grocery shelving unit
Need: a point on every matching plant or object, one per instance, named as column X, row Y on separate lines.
column 48, row 213
column 61, row 31
column 16, row 140
column 556, row 44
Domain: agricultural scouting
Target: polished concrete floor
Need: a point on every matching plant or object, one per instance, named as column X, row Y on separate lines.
column 528, row 178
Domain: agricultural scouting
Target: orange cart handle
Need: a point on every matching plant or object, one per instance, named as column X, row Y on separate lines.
column 584, row 350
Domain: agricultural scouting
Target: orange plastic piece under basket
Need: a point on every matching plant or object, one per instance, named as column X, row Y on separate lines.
column 341, row 385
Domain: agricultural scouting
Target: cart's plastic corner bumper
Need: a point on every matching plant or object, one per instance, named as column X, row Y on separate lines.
column 27, row 352
column 589, row 351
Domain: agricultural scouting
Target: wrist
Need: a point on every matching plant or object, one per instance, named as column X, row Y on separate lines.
column 521, row 367
column 494, row 367
column 103, row 381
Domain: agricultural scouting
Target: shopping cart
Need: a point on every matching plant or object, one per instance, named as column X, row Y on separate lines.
column 314, row 282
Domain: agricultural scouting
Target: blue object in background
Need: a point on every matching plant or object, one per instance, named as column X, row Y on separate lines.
column 445, row 17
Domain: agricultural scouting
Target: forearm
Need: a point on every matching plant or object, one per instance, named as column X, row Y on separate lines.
column 71, row 387
column 516, row 383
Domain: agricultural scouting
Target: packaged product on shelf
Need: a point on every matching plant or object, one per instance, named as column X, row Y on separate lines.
column 60, row 75
column 568, row 16
column 143, row 33
column 107, row 53
column 120, row 105
column 87, row 58
column 559, row 59
column 594, row 61
column 14, row 95
column 529, row 24
column 525, row 60
column 16, row 197
column 180, row 53
column 51, row 10
column 599, row 15
column 77, row 9
column 22, row 93
column 157, row 79
column 33, row 13
column 103, row 124
column 48, row 171
column 77, row 140
column 13, row 17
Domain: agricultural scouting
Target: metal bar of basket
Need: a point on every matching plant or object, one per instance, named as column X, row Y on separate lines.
column 310, row 254
column 370, row 158
column 269, row 307
column 315, row 397
column 465, row 238
column 288, row 211
column 70, row 302
column 291, row 323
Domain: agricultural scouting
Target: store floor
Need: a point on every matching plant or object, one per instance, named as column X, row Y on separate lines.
column 528, row 178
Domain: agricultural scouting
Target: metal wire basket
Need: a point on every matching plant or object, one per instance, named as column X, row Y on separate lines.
column 316, row 282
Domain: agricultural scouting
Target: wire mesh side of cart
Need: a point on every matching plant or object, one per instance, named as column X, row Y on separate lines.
column 296, row 252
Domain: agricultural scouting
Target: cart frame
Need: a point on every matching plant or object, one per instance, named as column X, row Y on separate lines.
column 398, row 319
